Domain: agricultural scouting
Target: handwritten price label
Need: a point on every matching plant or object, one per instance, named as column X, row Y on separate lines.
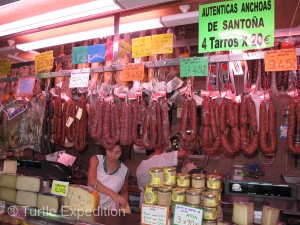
column 60, row 188
column 162, row 43
column 154, row 215
column 133, row 71
column 194, row 67
column 5, row 66
column 79, row 78
column 141, row 46
column 44, row 61
column 281, row 60
column 185, row 215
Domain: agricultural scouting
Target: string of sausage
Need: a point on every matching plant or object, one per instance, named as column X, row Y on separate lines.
column 210, row 130
column 149, row 134
column 97, row 125
column 63, row 123
column 138, row 114
column 293, row 123
column 248, row 126
column 165, row 123
column 230, row 134
column 111, row 125
column 80, row 126
column 267, row 138
column 126, row 121
column 57, row 120
column 71, row 112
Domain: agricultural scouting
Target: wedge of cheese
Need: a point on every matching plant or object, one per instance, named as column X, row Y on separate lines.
column 10, row 166
column 269, row 215
column 243, row 213
column 49, row 203
column 8, row 194
column 27, row 183
column 8, row 181
column 81, row 198
column 26, row 198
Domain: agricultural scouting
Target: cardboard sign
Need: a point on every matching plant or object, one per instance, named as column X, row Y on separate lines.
column 154, row 215
column 141, row 46
column 80, row 55
column 96, row 53
column 5, row 66
column 281, row 60
column 79, row 78
column 162, row 44
column 26, row 86
column 185, row 215
column 194, row 67
column 133, row 71
column 60, row 188
column 43, row 61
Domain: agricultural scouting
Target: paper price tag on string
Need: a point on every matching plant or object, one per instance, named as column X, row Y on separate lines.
column 43, row 61
column 162, row 44
column 281, row 60
column 69, row 121
column 184, row 215
column 79, row 113
column 154, row 215
column 79, row 78
column 133, row 71
column 5, row 66
column 194, row 67
column 141, row 46
column 59, row 188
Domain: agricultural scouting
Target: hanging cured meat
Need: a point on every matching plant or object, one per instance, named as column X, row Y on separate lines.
column 293, row 126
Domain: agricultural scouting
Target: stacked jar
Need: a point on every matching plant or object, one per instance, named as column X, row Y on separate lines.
column 212, row 210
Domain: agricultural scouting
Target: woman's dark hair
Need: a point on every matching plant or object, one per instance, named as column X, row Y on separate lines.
column 126, row 150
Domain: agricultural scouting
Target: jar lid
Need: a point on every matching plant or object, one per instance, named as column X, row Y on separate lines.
column 156, row 169
column 198, row 176
column 193, row 192
column 178, row 190
column 170, row 168
column 164, row 189
column 213, row 177
column 185, row 175
column 210, row 194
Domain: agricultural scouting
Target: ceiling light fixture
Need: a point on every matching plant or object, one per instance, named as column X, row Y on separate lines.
column 58, row 16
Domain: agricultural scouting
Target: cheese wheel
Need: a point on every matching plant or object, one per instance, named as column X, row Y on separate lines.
column 8, row 194
column 26, row 198
column 8, row 181
column 81, row 198
column 27, row 183
column 243, row 213
column 49, row 203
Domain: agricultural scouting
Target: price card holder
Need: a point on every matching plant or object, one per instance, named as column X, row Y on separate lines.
column 194, row 67
column 281, row 60
column 185, row 215
column 59, row 188
column 141, row 46
column 25, row 86
column 154, row 215
column 79, row 78
column 133, row 71
column 43, row 61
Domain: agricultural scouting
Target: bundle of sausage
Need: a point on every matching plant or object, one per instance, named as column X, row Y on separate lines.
column 293, row 126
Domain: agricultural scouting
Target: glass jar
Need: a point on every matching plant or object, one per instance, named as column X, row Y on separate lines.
column 150, row 195
column 208, row 222
column 170, row 175
column 198, row 180
column 183, row 180
column 156, row 176
column 193, row 197
column 210, row 213
column 164, row 195
column 210, row 199
column 178, row 195
column 218, row 193
column 213, row 182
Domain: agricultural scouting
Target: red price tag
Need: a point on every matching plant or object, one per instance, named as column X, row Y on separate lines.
column 281, row 60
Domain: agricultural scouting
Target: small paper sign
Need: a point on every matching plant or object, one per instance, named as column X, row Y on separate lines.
column 154, row 215
column 281, row 60
column 26, row 86
column 141, row 46
column 5, row 66
column 133, row 71
column 80, row 55
column 80, row 78
column 43, row 61
column 185, row 215
column 15, row 108
column 59, row 188
column 96, row 53
column 162, row 43
column 194, row 67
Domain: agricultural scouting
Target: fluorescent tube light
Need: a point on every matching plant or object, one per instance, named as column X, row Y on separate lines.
column 17, row 58
column 97, row 33
column 75, row 12
column 127, row 4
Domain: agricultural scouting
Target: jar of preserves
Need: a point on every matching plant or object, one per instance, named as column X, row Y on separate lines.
column 164, row 195
column 210, row 213
column 150, row 195
column 210, row 199
column 156, row 177
column 170, row 175
column 183, row 180
column 198, row 180
column 193, row 197
column 213, row 182
column 178, row 195
column 208, row 222
column 218, row 193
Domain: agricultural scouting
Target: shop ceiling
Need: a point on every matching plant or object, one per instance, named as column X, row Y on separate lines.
column 287, row 15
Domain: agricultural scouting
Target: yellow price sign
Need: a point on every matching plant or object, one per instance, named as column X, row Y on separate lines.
column 133, row 71
column 60, row 188
column 162, row 43
column 5, row 66
column 44, row 61
column 281, row 60
column 141, row 46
